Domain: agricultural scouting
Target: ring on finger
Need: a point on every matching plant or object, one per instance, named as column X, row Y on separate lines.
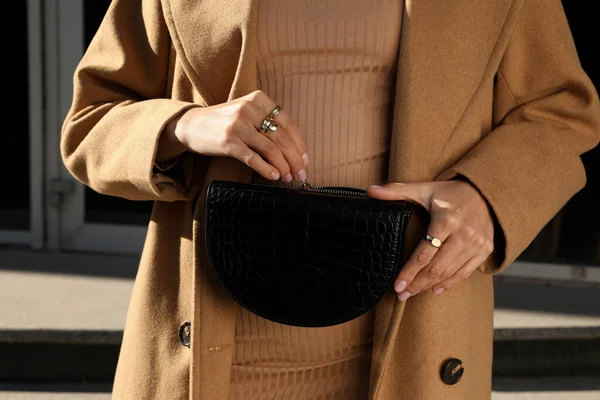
column 274, row 112
column 268, row 126
column 435, row 242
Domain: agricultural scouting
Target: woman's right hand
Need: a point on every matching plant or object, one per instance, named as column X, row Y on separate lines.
column 232, row 129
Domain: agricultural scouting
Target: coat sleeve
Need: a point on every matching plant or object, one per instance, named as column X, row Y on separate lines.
column 110, row 135
column 546, row 114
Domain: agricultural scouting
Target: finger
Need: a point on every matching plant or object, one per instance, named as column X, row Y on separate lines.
column 260, row 106
column 269, row 151
column 252, row 159
column 471, row 248
column 287, row 136
column 462, row 274
column 451, row 257
column 418, row 192
column 419, row 259
column 264, row 106
column 290, row 151
column 443, row 265
column 293, row 129
column 423, row 254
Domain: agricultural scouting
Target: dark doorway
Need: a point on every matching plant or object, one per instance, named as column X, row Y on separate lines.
column 573, row 237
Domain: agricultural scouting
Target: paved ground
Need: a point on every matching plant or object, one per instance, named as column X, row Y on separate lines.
column 33, row 300
column 37, row 300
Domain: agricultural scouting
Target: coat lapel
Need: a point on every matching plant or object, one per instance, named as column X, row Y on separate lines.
column 215, row 42
column 447, row 50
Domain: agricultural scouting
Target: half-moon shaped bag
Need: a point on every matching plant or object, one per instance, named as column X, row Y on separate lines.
column 313, row 257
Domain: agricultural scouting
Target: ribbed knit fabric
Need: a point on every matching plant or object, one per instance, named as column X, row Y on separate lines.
column 331, row 64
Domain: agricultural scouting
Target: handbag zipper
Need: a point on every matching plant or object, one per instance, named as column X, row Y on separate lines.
column 341, row 191
column 333, row 190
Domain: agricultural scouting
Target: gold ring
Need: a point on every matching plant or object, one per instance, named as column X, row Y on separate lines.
column 435, row 242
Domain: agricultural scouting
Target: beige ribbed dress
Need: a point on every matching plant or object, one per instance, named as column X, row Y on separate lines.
column 331, row 64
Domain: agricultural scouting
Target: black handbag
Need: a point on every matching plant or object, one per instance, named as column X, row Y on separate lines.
column 310, row 256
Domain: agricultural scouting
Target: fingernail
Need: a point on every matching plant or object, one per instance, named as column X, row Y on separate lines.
column 274, row 175
column 301, row 175
column 288, row 178
column 400, row 286
column 403, row 296
column 305, row 158
column 375, row 186
column 439, row 290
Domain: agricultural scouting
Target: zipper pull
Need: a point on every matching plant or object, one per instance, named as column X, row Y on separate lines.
column 306, row 185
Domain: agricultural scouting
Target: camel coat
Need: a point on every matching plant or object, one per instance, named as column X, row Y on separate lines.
column 487, row 90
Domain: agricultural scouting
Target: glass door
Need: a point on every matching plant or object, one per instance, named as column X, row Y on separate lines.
column 79, row 218
column 21, row 219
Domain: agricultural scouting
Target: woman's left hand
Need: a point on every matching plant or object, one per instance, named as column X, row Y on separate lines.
column 460, row 218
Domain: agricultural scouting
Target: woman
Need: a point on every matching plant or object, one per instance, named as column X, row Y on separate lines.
column 478, row 111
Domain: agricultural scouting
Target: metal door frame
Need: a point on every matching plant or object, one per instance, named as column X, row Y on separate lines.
column 66, row 225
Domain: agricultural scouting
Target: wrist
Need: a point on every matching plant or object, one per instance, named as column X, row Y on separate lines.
column 172, row 139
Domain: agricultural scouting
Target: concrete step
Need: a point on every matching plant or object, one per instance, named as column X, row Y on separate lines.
column 554, row 388
column 63, row 356
column 571, row 388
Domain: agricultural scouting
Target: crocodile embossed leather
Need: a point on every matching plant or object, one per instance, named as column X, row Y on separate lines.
column 316, row 257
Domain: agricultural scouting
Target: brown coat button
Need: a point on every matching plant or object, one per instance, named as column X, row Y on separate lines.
column 185, row 331
column 452, row 371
